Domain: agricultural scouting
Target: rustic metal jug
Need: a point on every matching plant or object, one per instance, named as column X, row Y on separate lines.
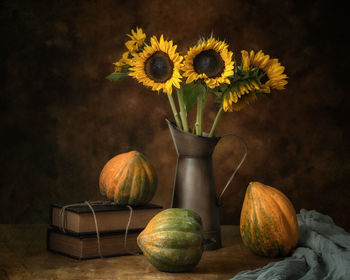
column 194, row 186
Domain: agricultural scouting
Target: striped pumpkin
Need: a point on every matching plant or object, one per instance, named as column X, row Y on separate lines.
column 268, row 224
column 173, row 240
column 128, row 178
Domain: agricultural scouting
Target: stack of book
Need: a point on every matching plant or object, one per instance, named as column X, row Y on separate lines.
column 79, row 238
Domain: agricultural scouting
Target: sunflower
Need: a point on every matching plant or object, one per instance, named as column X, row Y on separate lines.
column 134, row 45
column 158, row 65
column 126, row 60
column 209, row 60
column 271, row 68
column 239, row 96
column 136, row 40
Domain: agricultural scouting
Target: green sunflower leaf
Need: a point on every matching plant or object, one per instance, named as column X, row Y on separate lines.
column 190, row 93
column 217, row 93
column 116, row 76
column 223, row 87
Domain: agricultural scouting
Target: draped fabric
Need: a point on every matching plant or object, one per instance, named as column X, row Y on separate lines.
column 323, row 252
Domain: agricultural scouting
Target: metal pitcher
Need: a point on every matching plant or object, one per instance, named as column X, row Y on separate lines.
column 194, row 186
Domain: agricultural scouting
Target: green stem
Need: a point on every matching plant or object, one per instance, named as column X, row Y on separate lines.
column 216, row 121
column 173, row 108
column 198, row 124
column 204, row 102
column 205, row 99
column 183, row 112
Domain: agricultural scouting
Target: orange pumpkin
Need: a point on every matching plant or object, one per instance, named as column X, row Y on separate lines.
column 128, row 178
column 268, row 224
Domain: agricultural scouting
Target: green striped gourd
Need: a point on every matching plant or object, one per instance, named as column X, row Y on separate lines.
column 173, row 240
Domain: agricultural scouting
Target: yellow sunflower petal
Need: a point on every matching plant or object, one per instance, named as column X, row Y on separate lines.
column 271, row 67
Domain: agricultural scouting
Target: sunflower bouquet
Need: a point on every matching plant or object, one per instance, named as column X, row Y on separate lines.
column 207, row 68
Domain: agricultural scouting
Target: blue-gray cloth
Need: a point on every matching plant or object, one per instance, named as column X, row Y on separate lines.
column 323, row 252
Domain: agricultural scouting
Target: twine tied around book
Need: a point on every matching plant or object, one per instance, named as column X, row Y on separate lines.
column 90, row 204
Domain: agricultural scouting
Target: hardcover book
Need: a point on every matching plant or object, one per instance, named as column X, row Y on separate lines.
column 110, row 217
column 86, row 246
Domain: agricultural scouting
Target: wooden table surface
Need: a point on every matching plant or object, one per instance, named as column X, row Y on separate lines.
column 23, row 255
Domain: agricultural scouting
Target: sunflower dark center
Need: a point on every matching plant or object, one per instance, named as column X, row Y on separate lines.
column 210, row 63
column 159, row 67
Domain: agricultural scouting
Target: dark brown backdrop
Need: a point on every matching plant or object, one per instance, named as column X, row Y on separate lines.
column 61, row 120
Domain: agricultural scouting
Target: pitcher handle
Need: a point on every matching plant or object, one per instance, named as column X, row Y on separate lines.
column 218, row 202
